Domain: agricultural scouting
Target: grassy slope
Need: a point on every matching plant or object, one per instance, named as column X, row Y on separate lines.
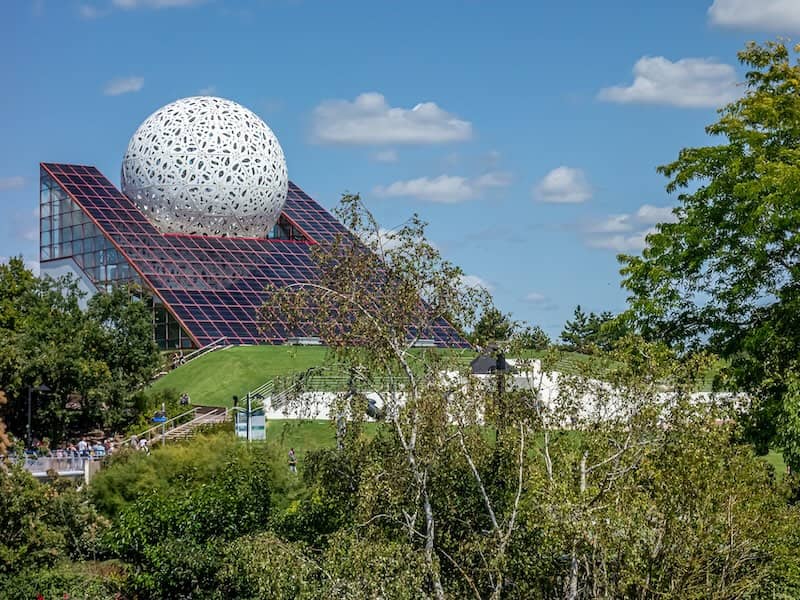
column 213, row 379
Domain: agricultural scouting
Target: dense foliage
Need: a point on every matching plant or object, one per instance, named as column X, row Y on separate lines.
column 592, row 332
column 726, row 274
column 493, row 326
column 649, row 504
column 91, row 360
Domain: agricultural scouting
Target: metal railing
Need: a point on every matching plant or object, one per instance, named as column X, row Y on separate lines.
column 215, row 345
column 184, row 422
column 40, row 466
column 279, row 389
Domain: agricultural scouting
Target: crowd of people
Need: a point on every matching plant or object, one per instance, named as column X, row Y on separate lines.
column 82, row 449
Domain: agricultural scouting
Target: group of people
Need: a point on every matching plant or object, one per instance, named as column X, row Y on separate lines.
column 178, row 359
column 140, row 444
column 82, row 449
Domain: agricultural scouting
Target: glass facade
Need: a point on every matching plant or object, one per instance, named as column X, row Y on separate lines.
column 66, row 231
column 213, row 287
column 284, row 229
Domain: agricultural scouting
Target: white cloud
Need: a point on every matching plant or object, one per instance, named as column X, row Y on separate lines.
column 446, row 189
column 540, row 301
column 492, row 158
column 11, row 183
column 622, row 243
column 687, row 83
column 627, row 232
column 473, row 281
column 390, row 239
column 535, row 298
column 612, row 224
column 129, row 4
column 370, row 120
column 493, row 179
column 31, row 235
column 650, row 215
column 123, row 85
column 386, row 156
column 26, row 225
column 385, row 238
column 780, row 16
column 563, row 185
column 87, row 11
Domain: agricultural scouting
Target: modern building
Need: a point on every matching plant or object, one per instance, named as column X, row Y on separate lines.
column 205, row 220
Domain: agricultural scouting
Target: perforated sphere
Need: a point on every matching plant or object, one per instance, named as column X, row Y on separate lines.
column 206, row 165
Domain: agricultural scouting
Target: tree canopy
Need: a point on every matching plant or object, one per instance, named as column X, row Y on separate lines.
column 726, row 273
column 91, row 360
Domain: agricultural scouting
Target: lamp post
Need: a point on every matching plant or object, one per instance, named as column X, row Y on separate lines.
column 31, row 388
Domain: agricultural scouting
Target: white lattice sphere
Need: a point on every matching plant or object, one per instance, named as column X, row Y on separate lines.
column 206, row 165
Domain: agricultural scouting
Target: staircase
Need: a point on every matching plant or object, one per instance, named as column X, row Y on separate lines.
column 184, row 426
column 205, row 415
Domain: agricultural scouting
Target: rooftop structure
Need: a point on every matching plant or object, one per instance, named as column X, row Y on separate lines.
column 206, row 165
column 205, row 276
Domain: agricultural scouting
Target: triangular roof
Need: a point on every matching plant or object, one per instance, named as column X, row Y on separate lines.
column 212, row 285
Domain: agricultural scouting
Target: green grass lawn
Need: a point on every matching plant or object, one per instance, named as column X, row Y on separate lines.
column 213, row 379
column 306, row 436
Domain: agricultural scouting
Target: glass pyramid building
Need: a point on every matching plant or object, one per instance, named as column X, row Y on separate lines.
column 203, row 288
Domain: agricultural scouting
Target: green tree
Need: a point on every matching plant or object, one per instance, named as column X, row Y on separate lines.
column 371, row 306
column 726, row 274
column 91, row 360
column 5, row 442
column 534, row 338
column 173, row 534
column 44, row 523
column 493, row 326
column 577, row 332
column 573, row 496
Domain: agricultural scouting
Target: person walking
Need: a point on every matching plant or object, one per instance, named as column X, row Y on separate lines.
column 292, row 461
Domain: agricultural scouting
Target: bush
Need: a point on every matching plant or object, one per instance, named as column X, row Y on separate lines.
column 264, row 566
column 130, row 474
column 43, row 522
column 207, row 493
column 78, row 581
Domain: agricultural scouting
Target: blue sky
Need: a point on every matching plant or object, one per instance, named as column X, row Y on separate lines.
column 531, row 151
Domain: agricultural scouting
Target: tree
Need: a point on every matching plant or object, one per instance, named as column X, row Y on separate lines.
column 577, row 332
column 43, row 523
column 573, row 494
column 173, row 532
column 91, row 360
column 372, row 303
column 534, row 338
column 493, row 326
column 4, row 440
column 726, row 274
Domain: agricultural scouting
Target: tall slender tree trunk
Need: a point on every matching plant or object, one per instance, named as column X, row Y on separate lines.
column 430, row 530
